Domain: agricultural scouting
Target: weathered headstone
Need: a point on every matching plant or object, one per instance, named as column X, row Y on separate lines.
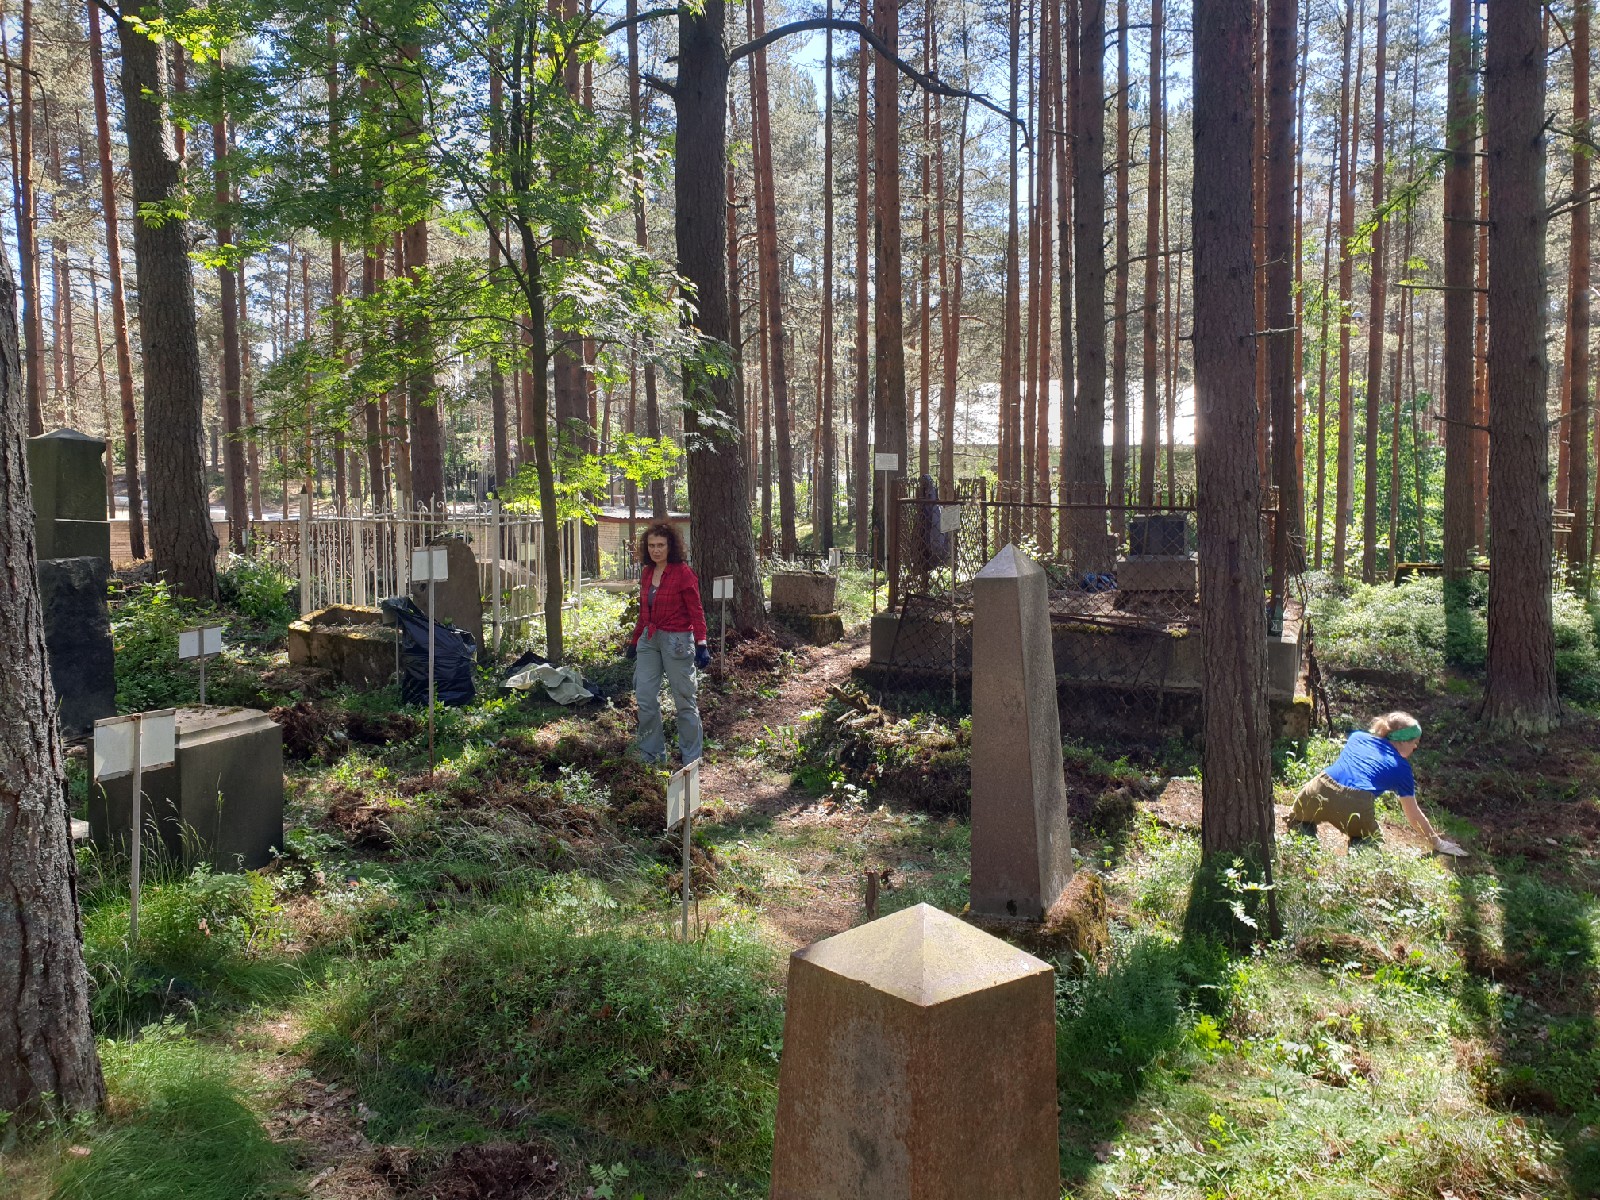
column 459, row 598
column 1021, row 845
column 77, row 634
column 68, row 480
column 919, row 1063
column 220, row 801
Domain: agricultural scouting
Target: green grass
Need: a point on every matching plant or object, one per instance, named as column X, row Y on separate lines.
column 181, row 1129
column 621, row 1031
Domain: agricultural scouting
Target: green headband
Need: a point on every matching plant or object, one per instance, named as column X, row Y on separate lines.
column 1409, row 734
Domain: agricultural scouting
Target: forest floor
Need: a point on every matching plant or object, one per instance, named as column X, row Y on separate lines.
column 468, row 985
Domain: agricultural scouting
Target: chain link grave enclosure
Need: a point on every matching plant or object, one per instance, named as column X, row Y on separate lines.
column 1124, row 605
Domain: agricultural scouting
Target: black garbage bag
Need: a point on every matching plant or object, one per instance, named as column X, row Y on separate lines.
column 454, row 655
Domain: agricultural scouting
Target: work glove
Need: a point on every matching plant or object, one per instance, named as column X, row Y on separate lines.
column 1443, row 845
column 702, row 656
column 631, row 651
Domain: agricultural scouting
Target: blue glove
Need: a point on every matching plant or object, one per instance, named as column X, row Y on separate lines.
column 631, row 652
column 702, row 656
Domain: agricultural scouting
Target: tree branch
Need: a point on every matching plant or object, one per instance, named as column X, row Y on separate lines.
column 660, row 85
column 930, row 83
column 654, row 14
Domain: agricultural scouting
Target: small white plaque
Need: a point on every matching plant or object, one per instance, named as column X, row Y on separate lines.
column 722, row 587
column 949, row 518
column 833, row 557
column 113, row 743
column 200, row 643
column 887, row 462
column 685, row 784
column 430, row 564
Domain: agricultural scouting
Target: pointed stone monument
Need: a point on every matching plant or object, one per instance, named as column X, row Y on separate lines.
column 919, row 1063
column 1021, row 846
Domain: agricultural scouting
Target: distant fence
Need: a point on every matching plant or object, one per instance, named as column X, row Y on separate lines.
column 359, row 558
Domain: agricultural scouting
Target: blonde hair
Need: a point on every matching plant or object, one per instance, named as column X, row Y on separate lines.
column 1385, row 725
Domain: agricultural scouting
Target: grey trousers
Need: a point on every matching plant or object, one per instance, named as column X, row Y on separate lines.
column 672, row 655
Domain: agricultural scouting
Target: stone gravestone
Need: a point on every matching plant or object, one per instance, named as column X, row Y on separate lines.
column 220, row 801
column 1021, row 845
column 69, row 496
column 72, row 541
column 77, row 635
column 919, row 1063
column 459, row 598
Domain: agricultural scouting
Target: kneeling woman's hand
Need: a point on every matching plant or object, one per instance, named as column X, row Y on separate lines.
column 702, row 656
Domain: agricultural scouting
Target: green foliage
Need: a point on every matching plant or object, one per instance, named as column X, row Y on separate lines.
column 653, row 1040
column 144, row 634
column 1422, row 625
column 203, row 938
column 260, row 592
column 182, row 1132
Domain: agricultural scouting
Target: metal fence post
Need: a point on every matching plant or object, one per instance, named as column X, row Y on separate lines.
column 495, row 547
column 305, row 551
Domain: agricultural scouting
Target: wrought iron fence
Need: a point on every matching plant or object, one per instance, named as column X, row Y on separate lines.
column 359, row 557
column 1122, row 581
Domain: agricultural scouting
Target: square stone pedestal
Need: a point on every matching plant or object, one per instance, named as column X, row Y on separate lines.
column 220, row 802
column 67, row 473
column 919, row 1063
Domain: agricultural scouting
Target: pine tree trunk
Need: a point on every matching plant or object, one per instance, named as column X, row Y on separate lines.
column 860, row 414
column 182, row 540
column 48, row 1063
column 888, row 312
column 1349, row 125
column 119, row 308
column 1459, row 244
column 1578, row 270
column 27, row 228
column 1520, row 693
column 827, row 485
column 427, row 439
column 228, row 306
column 1375, row 311
column 1086, row 459
column 1119, row 304
column 1236, row 819
column 770, row 271
column 1150, row 414
column 1008, row 470
column 1282, row 255
column 719, row 514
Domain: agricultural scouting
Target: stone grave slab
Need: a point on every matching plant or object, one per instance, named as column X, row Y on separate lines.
column 803, row 592
column 918, row 1063
column 221, row 801
column 349, row 640
column 67, row 473
column 1021, row 844
column 77, row 635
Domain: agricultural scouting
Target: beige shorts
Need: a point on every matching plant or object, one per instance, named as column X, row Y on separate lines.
column 1351, row 811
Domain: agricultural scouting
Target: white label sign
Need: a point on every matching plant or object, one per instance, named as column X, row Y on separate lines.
column 887, row 462
column 430, row 564
column 683, row 786
column 197, row 643
column 113, row 743
column 833, row 557
column 949, row 518
column 722, row 587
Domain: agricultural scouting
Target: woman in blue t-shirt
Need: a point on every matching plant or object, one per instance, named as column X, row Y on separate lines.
column 1345, row 795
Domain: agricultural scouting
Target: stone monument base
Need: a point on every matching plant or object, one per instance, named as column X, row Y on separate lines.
column 815, row 629
column 220, row 802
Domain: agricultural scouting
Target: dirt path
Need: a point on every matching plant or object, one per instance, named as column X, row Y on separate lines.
column 742, row 781
column 819, row 893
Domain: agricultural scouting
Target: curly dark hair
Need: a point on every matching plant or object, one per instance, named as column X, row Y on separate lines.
column 663, row 530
